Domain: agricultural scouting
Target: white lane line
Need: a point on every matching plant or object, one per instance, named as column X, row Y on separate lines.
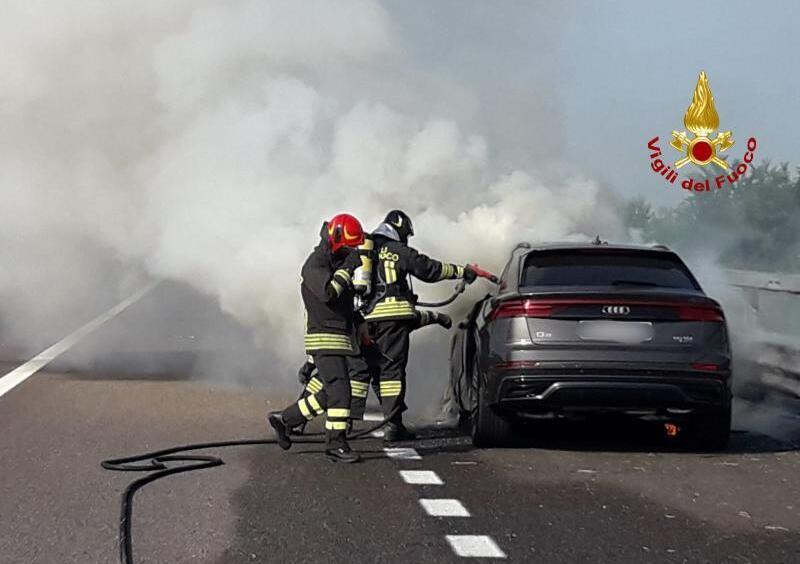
column 421, row 477
column 475, row 546
column 444, row 507
column 402, row 453
column 22, row 373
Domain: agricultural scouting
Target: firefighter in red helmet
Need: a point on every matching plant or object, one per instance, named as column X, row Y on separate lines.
column 328, row 292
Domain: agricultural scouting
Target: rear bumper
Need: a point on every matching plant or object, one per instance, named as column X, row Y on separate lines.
column 646, row 392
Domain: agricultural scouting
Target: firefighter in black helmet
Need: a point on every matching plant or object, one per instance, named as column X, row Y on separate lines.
column 328, row 292
column 392, row 314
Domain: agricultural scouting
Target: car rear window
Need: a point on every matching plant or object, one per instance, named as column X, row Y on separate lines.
column 597, row 268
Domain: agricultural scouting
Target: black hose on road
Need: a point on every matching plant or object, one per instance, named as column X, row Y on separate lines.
column 156, row 462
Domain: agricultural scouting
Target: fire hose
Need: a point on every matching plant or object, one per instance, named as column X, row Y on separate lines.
column 155, row 462
column 461, row 286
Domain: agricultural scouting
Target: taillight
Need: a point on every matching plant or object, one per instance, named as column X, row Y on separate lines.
column 638, row 309
column 692, row 313
column 522, row 308
column 705, row 367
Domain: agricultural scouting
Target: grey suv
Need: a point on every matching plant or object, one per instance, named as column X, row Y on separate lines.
column 578, row 329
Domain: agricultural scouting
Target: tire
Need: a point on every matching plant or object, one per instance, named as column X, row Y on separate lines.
column 711, row 431
column 489, row 429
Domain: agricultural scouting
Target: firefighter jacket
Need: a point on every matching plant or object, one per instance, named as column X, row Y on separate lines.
column 392, row 296
column 328, row 299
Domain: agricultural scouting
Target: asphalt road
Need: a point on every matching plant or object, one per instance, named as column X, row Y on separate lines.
column 577, row 493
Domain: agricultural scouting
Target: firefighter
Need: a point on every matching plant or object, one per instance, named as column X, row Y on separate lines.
column 392, row 312
column 328, row 294
column 364, row 369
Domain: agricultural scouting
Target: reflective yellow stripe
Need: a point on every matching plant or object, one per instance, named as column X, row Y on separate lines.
column 326, row 337
column 313, row 347
column 314, row 385
column 391, row 308
column 328, row 341
column 338, row 287
column 391, row 388
column 304, row 409
column 342, row 273
column 359, row 389
column 459, row 272
column 312, row 400
column 338, row 412
column 336, row 425
column 387, row 272
column 332, row 341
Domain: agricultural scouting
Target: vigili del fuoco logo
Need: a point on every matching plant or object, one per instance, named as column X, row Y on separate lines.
column 702, row 120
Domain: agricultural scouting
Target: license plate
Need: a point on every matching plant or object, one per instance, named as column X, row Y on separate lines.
column 628, row 332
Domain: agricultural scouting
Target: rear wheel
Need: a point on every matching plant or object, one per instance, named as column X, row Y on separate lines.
column 488, row 428
column 711, row 431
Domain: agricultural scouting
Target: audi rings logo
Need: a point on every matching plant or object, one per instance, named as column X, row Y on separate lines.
column 616, row 310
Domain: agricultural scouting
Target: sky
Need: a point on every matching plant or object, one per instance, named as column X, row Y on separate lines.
column 612, row 75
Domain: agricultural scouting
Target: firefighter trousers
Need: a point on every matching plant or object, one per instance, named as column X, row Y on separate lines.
column 363, row 369
column 332, row 398
column 392, row 340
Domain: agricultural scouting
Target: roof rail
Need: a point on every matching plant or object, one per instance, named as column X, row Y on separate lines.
column 521, row 245
column 662, row 247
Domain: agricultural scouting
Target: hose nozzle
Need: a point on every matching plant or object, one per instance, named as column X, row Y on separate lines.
column 484, row 274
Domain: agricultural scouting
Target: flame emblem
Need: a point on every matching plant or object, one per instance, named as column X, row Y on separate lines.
column 701, row 118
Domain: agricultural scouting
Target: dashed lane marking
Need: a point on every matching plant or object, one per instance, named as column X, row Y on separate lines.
column 475, row 546
column 444, row 507
column 402, row 453
column 465, row 546
column 421, row 477
column 22, row 373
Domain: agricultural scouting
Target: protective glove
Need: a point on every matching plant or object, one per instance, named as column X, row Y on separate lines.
column 306, row 372
column 469, row 275
column 444, row 320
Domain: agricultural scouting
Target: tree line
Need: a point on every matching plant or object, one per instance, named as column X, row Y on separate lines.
column 752, row 225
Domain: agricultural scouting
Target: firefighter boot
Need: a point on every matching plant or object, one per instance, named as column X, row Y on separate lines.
column 281, row 431
column 342, row 454
column 396, row 432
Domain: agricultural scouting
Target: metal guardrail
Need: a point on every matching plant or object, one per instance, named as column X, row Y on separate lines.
column 776, row 356
column 764, row 281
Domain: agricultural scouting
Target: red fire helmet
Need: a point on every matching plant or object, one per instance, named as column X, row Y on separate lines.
column 344, row 230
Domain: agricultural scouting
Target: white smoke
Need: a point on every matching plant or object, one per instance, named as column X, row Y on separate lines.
column 206, row 142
